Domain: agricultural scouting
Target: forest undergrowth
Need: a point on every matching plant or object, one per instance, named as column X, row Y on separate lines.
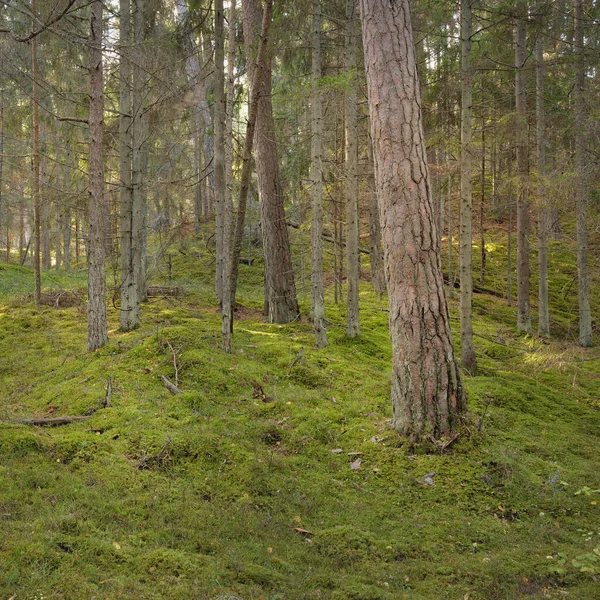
column 275, row 474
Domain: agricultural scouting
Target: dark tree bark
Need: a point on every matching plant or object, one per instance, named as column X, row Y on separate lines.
column 280, row 289
column 427, row 392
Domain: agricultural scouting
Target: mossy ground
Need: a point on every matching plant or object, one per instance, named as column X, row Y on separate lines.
column 205, row 495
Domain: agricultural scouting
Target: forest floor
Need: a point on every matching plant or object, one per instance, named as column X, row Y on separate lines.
column 249, row 485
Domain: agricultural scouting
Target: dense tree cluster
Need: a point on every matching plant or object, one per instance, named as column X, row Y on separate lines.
column 127, row 125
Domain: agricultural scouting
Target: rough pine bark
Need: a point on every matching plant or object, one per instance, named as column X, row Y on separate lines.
column 467, row 352
column 280, row 291
column 427, row 391
column 586, row 337
column 316, row 176
column 523, row 269
column 96, row 308
column 352, row 216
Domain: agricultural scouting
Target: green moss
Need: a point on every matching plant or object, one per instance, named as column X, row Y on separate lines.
column 210, row 493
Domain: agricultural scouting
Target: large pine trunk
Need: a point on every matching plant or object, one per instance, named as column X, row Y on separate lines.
column 282, row 305
column 427, row 392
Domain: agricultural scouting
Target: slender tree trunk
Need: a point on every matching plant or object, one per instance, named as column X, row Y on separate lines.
column 36, row 167
column 450, row 241
column 59, row 203
column 523, row 310
column 586, row 337
column 67, row 211
column 543, row 216
column 21, row 231
column 316, row 176
column 96, row 310
column 130, row 303
column 3, row 210
column 139, row 157
column 467, row 351
column 427, row 392
column 226, row 306
column 44, row 204
column 279, row 274
column 219, row 148
column 246, row 164
column 198, row 216
column 509, row 249
column 482, row 208
column 375, row 251
column 352, row 214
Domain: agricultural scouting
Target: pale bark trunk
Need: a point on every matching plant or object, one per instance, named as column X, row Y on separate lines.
column 130, row 304
column 352, row 215
column 138, row 160
column 226, row 306
column 543, row 205
column 36, row 167
column 467, row 352
column 219, row 147
column 316, row 176
column 375, row 251
column 427, row 392
column 280, row 289
column 523, row 269
column 96, row 309
column 586, row 337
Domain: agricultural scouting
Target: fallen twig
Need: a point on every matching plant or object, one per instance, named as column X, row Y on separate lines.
column 170, row 386
column 50, row 422
column 174, row 363
column 107, row 398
